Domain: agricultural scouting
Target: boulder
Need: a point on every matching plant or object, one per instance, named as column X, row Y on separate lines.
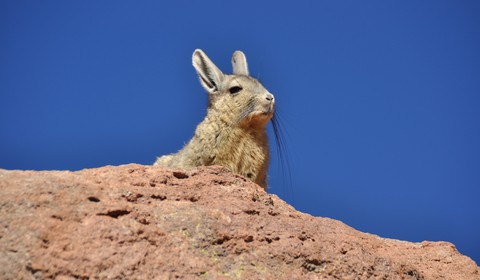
column 144, row 222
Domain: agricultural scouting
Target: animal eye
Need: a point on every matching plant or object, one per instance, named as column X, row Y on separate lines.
column 235, row 89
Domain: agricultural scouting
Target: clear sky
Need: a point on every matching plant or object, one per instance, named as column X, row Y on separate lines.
column 379, row 100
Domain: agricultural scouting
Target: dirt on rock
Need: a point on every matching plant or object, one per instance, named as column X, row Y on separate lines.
column 144, row 222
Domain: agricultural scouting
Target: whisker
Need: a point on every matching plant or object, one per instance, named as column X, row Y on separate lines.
column 248, row 109
column 283, row 156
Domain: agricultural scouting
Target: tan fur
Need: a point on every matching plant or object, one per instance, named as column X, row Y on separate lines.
column 233, row 133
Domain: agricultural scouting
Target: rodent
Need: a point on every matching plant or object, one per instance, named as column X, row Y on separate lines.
column 233, row 133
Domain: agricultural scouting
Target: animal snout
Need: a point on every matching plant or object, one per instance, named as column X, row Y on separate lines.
column 270, row 97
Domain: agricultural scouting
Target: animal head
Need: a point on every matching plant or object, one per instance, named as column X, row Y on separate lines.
column 239, row 98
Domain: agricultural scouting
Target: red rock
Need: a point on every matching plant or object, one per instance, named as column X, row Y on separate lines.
column 144, row 222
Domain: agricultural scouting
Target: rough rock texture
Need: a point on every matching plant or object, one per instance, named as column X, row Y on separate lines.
column 144, row 222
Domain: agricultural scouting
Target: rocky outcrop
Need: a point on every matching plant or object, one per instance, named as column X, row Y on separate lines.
column 144, row 222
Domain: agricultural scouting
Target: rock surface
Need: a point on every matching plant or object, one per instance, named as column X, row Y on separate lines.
column 143, row 222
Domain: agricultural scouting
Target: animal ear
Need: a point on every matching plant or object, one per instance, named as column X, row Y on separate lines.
column 210, row 76
column 239, row 63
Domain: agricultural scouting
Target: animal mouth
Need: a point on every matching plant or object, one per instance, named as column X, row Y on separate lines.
column 268, row 113
column 270, row 108
column 267, row 110
column 262, row 113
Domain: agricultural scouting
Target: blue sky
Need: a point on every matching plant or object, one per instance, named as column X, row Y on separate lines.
column 379, row 100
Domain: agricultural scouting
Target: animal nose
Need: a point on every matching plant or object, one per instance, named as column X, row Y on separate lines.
column 270, row 97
